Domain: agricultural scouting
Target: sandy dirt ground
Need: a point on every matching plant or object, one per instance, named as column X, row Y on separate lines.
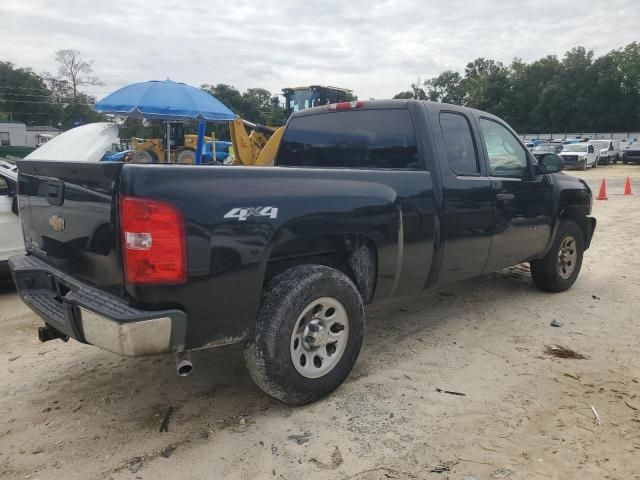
column 75, row 412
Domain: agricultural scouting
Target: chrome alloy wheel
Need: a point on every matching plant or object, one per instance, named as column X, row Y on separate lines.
column 319, row 337
column 567, row 257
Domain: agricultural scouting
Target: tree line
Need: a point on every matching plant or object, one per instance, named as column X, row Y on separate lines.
column 575, row 93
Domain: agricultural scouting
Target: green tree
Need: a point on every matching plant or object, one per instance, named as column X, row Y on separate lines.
column 446, row 88
column 24, row 97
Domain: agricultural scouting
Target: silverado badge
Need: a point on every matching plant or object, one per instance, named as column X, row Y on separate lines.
column 56, row 222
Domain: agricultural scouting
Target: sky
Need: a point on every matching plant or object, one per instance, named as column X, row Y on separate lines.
column 376, row 49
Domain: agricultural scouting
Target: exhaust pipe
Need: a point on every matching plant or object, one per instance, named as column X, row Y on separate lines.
column 183, row 364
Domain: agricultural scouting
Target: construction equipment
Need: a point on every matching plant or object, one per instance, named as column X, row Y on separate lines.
column 260, row 146
column 154, row 150
column 300, row 98
column 253, row 144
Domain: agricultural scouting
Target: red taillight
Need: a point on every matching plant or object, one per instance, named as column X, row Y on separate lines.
column 154, row 243
column 336, row 107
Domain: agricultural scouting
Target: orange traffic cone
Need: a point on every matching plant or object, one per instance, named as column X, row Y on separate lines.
column 627, row 187
column 602, row 194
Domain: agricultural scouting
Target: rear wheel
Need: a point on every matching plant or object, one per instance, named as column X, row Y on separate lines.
column 308, row 334
column 559, row 269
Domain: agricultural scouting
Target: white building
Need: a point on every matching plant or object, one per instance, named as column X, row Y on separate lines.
column 39, row 135
column 13, row 134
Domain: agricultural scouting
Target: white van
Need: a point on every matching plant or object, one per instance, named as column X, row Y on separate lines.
column 608, row 151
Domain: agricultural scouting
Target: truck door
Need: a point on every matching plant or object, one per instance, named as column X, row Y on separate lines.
column 523, row 200
column 468, row 199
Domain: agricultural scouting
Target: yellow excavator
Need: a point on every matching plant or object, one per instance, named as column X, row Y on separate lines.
column 253, row 144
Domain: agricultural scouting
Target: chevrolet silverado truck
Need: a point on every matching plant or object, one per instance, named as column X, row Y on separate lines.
column 366, row 200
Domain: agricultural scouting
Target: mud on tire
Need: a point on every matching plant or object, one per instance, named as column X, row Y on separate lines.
column 269, row 355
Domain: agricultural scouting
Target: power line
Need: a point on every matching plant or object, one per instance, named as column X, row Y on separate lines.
column 45, row 88
column 47, row 103
column 37, row 113
column 47, row 95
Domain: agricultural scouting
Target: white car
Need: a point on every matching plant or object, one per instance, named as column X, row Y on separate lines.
column 11, row 242
column 580, row 155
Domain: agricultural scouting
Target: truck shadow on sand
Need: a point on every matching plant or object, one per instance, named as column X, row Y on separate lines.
column 107, row 395
column 220, row 372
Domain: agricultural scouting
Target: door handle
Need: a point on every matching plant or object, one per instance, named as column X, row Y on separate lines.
column 504, row 197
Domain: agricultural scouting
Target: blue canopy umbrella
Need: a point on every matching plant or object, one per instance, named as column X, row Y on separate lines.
column 167, row 100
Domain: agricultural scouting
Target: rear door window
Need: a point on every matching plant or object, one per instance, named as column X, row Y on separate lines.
column 373, row 139
column 459, row 145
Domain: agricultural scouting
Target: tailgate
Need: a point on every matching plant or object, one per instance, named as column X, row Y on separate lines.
column 69, row 218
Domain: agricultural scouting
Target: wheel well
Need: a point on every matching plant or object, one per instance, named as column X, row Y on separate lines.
column 354, row 255
column 579, row 216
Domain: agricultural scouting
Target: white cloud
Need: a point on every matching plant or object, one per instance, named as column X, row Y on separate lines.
column 374, row 48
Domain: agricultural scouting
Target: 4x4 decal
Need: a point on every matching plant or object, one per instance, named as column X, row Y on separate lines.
column 242, row 213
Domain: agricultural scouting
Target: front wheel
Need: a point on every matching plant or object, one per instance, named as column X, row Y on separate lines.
column 309, row 332
column 187, row 157
column 559, row 269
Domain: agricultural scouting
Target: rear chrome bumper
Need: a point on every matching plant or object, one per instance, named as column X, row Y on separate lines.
column 92, row 316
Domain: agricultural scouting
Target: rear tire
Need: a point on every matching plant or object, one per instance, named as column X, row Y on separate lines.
column 559, row 269
column 292, row 303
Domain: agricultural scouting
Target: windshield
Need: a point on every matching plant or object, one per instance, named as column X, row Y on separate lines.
column 576, row 147
column 302, row 99
column 544, row 148
column 601, row 144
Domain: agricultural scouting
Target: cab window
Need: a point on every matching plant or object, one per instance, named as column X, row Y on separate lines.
column 371, row 139
column 507, row 157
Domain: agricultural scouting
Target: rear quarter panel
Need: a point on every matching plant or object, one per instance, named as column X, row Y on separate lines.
column 228, row 257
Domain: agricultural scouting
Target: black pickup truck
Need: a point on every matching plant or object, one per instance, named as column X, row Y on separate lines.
column 366, row 200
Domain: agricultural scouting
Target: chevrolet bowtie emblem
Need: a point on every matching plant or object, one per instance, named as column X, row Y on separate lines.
column 56, row 222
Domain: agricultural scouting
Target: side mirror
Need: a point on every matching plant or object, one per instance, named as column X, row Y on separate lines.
column 551, row 163
column 14, row 206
